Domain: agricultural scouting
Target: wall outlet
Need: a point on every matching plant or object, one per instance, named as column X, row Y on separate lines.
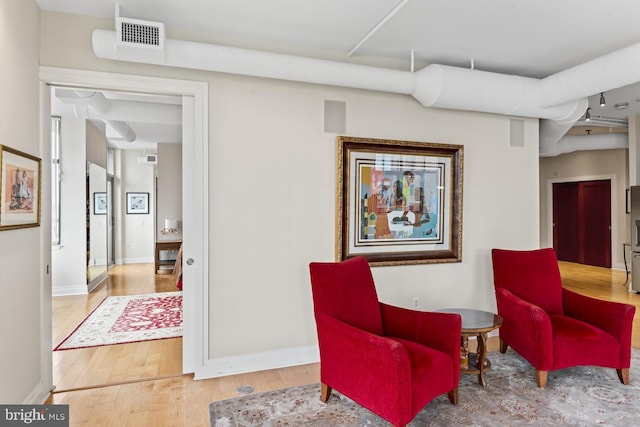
column 416, row 302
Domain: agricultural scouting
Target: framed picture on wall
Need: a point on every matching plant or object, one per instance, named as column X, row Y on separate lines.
column 99, row 203
column 137, row 203
column 398, row 202
column 20, row 186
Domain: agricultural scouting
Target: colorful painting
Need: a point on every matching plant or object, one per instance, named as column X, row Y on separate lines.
column 20, row 183
column 400, row 202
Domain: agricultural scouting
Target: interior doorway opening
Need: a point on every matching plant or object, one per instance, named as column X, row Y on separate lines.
column 582, row 222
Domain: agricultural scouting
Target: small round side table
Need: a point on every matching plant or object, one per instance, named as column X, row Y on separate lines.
column 475, row 323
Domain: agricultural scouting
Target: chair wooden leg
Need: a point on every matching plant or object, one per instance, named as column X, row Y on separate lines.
column 541, row 378
column 453, row 396
column 623, row 374
column 325, row 394
column 503, row 347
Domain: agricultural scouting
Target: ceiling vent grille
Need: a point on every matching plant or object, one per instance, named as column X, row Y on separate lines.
column 149, row 159
column 141, row 34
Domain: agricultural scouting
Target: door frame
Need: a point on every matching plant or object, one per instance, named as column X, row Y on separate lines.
column 615, row 244
column 195, row 192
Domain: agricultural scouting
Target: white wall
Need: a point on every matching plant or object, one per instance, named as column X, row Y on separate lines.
column 266, row 143
column 273, row 179
column 22, row 297
column 69, row 260
column 137, row 229
column 169, row 188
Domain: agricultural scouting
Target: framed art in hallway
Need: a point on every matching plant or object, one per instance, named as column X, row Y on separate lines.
column 20, row 185
column 99, row 203
column 137, row 203
column 398, row 202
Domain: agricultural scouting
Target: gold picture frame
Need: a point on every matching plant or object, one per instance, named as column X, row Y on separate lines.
column 20, row 180
column 398, row 202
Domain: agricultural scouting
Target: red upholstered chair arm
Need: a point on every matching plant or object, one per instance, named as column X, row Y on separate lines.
column 349, row 356
column 526, row 328
column 612, row 317
column 440, row 331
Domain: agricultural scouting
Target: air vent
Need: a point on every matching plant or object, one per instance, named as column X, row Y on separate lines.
column 148, row 159
column 141, row 34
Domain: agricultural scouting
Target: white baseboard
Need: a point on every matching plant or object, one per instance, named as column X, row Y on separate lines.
column 138, row 260
column 224, row 366
column 60, row 291
column 38, row 396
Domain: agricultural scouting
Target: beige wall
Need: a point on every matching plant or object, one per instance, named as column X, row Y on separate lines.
column 585, row 166
column 272, row 193
column 169, row 188
column 138, row 235
column 21, row 370
column 96, row 146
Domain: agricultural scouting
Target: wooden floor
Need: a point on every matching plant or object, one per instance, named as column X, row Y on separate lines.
column 147, row 388
column 97, row 366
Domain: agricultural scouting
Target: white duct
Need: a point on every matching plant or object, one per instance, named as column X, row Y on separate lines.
column 434, row 86
column 114, row 109
column 94, row 105
column 443, row 86
column 224, row 59
column 571, row 143
column 611, row 71
column 122, row 129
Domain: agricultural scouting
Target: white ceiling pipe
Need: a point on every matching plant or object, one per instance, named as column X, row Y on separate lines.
column 571, row 143
column 94, row 106
column 114, row 109
column 456, row 88
column 123, row 129
column 224, row 59
column 464, row 89
column 435, row 86
column 145, row 112
column 550, row 131
column 611, row 71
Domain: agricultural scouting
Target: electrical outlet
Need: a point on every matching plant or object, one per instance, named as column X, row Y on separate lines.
column 416, row 302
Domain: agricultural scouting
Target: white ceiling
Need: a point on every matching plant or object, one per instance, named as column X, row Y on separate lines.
column 522, row 37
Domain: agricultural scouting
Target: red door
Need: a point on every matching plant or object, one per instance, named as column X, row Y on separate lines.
column 566, row 235
column 582, row 222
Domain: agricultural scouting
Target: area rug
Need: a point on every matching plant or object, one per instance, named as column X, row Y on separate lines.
column 581, row 396
column 129, row 318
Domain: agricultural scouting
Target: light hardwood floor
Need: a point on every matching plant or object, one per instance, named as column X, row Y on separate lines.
column 147, row 393
column 97, row 366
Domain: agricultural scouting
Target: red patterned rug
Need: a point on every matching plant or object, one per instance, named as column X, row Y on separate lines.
column 130, row 318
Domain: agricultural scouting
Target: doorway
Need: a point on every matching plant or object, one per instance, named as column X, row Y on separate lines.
column 195, row 197
column 582, row 222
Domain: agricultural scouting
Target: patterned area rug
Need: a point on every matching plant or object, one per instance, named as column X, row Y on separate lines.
column 581, row 396
column 130, row 318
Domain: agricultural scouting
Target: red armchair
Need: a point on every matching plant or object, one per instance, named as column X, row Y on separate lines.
column 552, row 327
column 391, row 360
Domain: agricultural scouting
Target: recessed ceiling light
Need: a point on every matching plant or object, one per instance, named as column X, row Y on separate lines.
column 621, row 105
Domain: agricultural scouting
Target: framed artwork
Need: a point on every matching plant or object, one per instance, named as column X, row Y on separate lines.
column 398, row 202
column 137, row 203
column 20, row 183
column 100, row 203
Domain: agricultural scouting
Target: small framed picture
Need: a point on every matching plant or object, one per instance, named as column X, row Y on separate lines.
column 137, row 203
column 99, row 203
column 20, row 184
